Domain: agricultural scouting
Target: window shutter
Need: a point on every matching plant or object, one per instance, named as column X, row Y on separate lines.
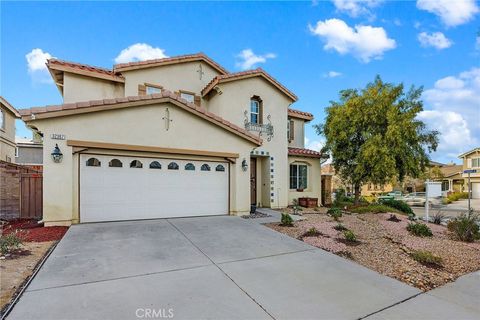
column 197, row 100
column 469, row 163
column 142, row 90
column 292, row 131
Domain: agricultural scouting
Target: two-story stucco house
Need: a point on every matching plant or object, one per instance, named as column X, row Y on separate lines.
column 8, row 114
column 471, row 161
column 170, row 137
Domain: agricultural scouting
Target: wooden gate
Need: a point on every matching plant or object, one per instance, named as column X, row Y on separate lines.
column 31, row 195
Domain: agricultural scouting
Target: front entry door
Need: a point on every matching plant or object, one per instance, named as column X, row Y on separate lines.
column 253, row 181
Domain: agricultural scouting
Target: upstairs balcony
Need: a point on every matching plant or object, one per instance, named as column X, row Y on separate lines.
column 265, row 129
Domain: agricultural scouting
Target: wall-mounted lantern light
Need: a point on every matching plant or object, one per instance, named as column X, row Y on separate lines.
column 57, row 155
column 244, row 165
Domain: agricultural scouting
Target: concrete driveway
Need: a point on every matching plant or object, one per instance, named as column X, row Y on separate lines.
column 197, row 268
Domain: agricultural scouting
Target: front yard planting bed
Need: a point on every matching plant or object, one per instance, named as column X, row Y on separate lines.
column 384, row 245
column 18, row 264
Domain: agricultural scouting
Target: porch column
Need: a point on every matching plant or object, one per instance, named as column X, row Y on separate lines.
column 450, row 185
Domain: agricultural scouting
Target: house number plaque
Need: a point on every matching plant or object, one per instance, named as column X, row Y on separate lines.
column 57, row 136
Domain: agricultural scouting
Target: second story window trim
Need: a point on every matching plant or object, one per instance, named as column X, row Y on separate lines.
column 256, row 110
column 149, row 88
column 189, row 96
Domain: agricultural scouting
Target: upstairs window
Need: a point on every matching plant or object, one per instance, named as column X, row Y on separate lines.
column 298, row 176
column 290, row 130
column 255, row 110
column 2, row 120
column 190, row 97
column 475, row 162
column 152, row 90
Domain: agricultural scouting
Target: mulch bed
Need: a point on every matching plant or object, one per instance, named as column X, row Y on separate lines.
column 29, row 230
column 386, row 247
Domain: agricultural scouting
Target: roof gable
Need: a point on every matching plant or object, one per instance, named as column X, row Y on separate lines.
column 259, row 72
column 463, row 155
column 168, row 61
column 38, row 113
column 9, row 107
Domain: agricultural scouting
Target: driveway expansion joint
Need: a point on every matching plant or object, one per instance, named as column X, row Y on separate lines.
column 269, row 256
column 392, row 305
column 221, row 270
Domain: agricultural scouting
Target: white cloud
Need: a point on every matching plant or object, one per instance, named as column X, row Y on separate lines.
column 332, row 74
column 453, row 127
column 453, row 108
column 363, row 42
column 355, row 8
column 435, row 39
column 37, row 68
column 315, row 145
column 140, row 52
column 451, row 12
column 249, row 60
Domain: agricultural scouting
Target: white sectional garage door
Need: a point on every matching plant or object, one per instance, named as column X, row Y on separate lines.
column 476, row 190
column 125, row 188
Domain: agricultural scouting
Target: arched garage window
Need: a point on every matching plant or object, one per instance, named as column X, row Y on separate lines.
column 189, row 167
column 115, row 163
column 172, row 166
column 220, row 168
column 155, row 165
column 93, row 162
column 205, row 167
column 136, row 164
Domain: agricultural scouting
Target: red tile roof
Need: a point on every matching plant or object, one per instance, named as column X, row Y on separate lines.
column 75, row 67
column 300, row 114
column 98, row 105
column 247, row 74
column 303, row 152
column 178, row 59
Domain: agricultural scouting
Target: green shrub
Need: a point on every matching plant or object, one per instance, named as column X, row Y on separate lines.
column 446, row 201
column 399, row 205
column 335, row 213
column 287, row 220
column 9, row 242
column 350, row 236
column 426, row 258
column 438, row 217
column 373, row 208
column 457, row 196
column 341, row 199
column 340, row 227
column 419, row 229
column 312, row 232
column 465, row 227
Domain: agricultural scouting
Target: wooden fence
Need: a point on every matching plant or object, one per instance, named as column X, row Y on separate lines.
column 20, row 192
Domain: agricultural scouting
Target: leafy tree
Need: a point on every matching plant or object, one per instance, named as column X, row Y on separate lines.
column 374, row 135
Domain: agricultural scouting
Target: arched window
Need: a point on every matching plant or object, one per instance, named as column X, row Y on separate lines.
column 115, row 163
column 155, row 165
column 205, row 167
column 136, row 164
column 189, row 167
column 255, row 110
column 172, row 166
column 220, row 168
column 93, row 162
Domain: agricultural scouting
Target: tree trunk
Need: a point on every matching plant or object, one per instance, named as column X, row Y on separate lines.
column 357, row 194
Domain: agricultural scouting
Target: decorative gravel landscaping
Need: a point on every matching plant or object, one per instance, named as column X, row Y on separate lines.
column 24, row 244
column 385, row 245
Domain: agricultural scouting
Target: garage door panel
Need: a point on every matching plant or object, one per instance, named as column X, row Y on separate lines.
column 124, row 193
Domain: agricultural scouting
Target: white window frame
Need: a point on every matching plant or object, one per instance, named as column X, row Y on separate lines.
column 297, row 184
column 257, row 112
column 2, row 120
column 477, row 164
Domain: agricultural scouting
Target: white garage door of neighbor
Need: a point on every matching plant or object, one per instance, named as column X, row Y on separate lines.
column 476, row 190
column 125, row 188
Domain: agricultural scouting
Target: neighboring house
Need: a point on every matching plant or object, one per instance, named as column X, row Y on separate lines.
column 451, row 177
column 8, row 114
column 29, row 151
column 471, row 161
column 170, row 137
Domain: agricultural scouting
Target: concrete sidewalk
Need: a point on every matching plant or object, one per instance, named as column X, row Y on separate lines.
column 197, row 268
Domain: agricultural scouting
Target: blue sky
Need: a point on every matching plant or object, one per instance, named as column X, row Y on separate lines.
column 314, row 48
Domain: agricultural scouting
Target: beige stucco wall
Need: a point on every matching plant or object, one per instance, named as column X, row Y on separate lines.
column 7, row 136
column 232, row 104
column 299, row 133
column 314, row 183
column 80, row 88
column 467, row 165
column 182, row 76
column 136, row 126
